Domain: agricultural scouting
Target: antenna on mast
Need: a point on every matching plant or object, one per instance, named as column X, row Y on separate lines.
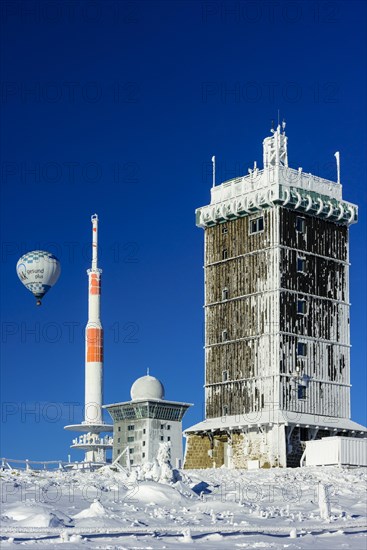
column 337, row 156
column 213, row 161
column 94, row 219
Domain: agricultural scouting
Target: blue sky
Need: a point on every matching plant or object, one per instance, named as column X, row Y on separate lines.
column 117, row 108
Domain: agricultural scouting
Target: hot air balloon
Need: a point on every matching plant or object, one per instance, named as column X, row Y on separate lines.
column 38, row 271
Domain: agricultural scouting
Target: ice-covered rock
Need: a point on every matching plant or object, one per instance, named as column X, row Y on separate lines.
column 37, row 515
column 96, row 509
column 149, row 492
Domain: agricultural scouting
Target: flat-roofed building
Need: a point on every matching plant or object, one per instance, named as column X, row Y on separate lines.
column 142, row 424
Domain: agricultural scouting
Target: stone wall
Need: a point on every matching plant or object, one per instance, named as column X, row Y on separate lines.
column 254, row 446
column 268, row 447
column 202, row 453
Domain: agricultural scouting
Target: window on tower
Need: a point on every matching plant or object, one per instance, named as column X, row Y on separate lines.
column 300, row 224
column 131, row 427
column 302, row 349
column 130, row 439
column 224, row 376
column 301, row 306
column 224, row 335
column 301, row 264
column 225, row 294
column 224, row 229
column 301, row 391
column 225, row 410
column 257, row 225
column 224, row 254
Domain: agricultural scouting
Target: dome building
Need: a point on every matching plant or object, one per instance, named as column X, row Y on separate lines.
column 140, row 425
column 147, row 387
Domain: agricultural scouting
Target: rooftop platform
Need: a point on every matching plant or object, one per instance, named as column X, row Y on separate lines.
column 88, row 427
column 270, row 418
column 277, row 184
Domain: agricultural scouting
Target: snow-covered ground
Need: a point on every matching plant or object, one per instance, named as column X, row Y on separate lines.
column 158, row 508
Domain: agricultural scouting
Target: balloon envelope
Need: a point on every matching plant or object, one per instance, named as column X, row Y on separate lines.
column 38, row 271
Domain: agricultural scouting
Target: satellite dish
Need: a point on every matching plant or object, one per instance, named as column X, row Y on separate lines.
column 38, row 271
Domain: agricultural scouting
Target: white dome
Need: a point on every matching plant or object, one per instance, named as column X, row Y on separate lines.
column 147, row 387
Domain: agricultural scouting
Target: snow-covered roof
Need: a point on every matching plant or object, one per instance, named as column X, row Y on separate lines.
column 237, row 422
column 277, row 183
column 137, row 401
column 147, row 408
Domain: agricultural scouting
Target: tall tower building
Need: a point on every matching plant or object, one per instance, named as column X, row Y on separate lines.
column 91, row 441
column 277, row 346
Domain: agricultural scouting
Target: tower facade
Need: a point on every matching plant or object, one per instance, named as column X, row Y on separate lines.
column 91, row 441
column 277, row 366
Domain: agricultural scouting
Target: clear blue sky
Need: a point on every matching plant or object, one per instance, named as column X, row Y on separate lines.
column 117, row 108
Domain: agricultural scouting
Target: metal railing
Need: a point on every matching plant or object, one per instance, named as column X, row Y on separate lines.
column 39, row 465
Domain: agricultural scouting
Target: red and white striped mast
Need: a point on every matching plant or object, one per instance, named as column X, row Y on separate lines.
column 92, row 442
column 94, row 338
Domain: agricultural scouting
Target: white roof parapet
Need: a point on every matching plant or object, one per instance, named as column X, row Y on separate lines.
column 260, row 179
column 275, row 417
column 276, row 184
column 235, row 199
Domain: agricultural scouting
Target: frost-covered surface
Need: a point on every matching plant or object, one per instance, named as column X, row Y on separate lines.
column 157, row 507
